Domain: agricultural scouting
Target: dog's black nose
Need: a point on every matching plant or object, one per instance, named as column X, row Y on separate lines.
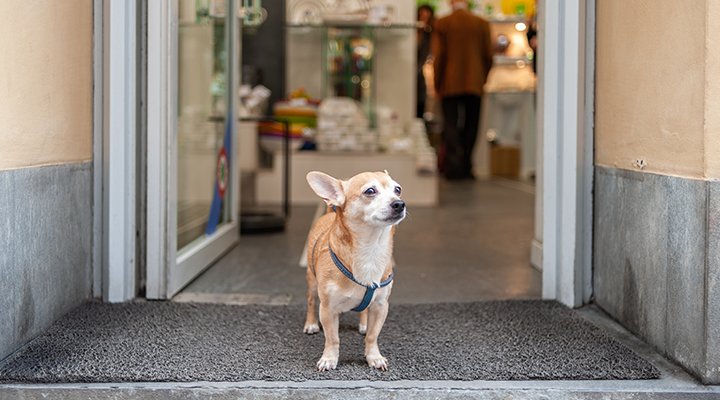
column 397, row 205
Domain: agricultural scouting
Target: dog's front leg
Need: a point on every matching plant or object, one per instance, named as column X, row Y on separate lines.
column 376, row 318
column 330, row 323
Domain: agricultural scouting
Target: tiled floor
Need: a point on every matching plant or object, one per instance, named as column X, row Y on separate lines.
column 474, row 246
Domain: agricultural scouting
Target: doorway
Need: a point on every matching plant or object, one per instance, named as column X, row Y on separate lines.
column 564, row 195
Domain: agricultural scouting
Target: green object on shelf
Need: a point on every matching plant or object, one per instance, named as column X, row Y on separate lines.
column 300, row 120
column 431, row 3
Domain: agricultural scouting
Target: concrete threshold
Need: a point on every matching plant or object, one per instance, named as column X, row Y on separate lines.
column 674, row 383
column 351, row 390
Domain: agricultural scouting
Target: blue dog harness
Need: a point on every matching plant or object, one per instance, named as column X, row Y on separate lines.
column 369, row 289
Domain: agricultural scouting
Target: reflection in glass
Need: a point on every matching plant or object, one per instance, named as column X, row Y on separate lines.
column 202, row 108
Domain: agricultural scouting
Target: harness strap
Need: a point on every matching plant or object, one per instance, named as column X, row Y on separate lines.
column 369, row 289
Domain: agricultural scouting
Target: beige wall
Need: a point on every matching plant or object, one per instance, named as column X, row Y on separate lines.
column 650, row 86
column 712, row 91
column 45, row 82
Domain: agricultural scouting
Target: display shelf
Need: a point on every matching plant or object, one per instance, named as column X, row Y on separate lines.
column 347, row 25
column 418, row 189
column 511, row 19
column 348, row 57
column 381, row 32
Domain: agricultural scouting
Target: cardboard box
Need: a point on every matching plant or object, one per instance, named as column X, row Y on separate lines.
column 505, row 161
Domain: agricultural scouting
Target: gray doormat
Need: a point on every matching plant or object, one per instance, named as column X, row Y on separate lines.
column 176, row 342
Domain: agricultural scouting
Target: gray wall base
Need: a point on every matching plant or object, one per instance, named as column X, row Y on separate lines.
column 657, row 265
column 45, row 248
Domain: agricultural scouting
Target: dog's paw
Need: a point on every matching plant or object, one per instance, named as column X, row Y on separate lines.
column 326, row 363
column 362, row 329
column 311, row 328
column 377, row 361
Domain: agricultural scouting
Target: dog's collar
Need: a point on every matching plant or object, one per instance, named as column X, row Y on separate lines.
column 369, row 289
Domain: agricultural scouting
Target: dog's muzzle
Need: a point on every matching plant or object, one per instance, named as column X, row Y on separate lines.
column 398, row 209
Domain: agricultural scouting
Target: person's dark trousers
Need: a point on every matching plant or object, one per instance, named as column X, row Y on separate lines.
column 421, row 95
column 461, row 118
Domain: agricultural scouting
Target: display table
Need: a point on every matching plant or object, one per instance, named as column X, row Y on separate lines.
column 418, row 189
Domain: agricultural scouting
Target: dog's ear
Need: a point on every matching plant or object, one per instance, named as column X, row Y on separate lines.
column 327, row 187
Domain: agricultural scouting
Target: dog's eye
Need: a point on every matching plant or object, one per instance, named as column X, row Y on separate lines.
column 398, row 190
column 370, row 191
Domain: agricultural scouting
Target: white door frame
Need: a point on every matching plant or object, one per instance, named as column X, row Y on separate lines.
column 566, row 110
column 168, row 271
column 98, row 132
column 114, row 109
column 161, row 44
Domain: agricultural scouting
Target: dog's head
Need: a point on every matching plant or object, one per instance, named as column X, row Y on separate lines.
column 371, row 198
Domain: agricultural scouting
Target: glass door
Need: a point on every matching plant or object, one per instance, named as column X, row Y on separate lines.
column 198, row 55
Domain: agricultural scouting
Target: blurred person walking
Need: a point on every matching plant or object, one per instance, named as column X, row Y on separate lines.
column 463, row 56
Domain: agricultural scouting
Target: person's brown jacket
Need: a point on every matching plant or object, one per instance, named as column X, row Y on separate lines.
column 463, row 53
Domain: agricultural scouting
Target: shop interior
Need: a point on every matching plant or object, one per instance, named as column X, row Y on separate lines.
column 333, row 85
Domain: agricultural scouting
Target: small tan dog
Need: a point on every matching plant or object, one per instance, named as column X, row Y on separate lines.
column 350, row 259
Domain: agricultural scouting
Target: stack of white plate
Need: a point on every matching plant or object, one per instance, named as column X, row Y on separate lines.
column 342, row 126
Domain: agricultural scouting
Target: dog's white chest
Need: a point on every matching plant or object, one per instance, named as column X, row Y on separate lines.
column 371, row 261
